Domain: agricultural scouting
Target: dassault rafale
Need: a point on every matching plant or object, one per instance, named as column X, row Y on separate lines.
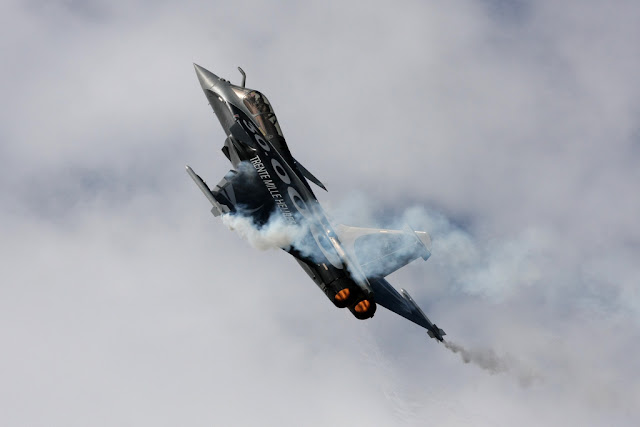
column 349, row 264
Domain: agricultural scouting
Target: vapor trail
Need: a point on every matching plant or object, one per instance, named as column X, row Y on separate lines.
column 488, row 360
column 460, row 255
column 275, row 234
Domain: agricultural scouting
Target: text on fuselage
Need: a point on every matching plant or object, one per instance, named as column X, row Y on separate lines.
column 273, row 190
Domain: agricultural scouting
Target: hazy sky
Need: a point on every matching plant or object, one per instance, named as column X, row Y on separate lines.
column 508, row 129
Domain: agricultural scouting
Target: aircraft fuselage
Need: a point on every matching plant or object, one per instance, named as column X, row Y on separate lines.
column 256, row 146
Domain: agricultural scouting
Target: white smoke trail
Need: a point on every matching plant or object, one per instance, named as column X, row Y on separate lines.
column 276, row 234
column 490, row 267
column 488, row 360
column 486, row 270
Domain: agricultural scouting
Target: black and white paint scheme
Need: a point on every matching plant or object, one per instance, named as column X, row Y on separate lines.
column 269, row 190
column 509, row 130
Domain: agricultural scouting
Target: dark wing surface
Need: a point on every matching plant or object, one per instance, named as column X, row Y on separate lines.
column 401, row 303
column 240, row 191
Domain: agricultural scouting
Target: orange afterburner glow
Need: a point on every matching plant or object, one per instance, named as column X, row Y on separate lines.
column 343, row 295
column 362, row 306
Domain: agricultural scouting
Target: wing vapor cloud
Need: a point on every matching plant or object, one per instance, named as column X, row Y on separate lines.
column 275, row 234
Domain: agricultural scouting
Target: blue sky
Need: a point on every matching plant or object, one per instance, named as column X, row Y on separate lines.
column 508, row 129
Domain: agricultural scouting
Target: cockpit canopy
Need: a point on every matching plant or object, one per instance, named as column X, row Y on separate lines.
column 261, row 110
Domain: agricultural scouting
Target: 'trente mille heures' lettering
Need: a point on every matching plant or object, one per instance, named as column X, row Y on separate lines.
column 272, row 189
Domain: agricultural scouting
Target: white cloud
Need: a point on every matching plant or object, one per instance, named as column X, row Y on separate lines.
column 124, row 302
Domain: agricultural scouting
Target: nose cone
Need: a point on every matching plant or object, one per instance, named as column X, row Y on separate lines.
column 206, row 77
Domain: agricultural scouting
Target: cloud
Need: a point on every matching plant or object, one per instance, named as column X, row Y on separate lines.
column 513, row 124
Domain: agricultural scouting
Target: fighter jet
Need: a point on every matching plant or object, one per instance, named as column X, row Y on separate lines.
column 267, row 183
